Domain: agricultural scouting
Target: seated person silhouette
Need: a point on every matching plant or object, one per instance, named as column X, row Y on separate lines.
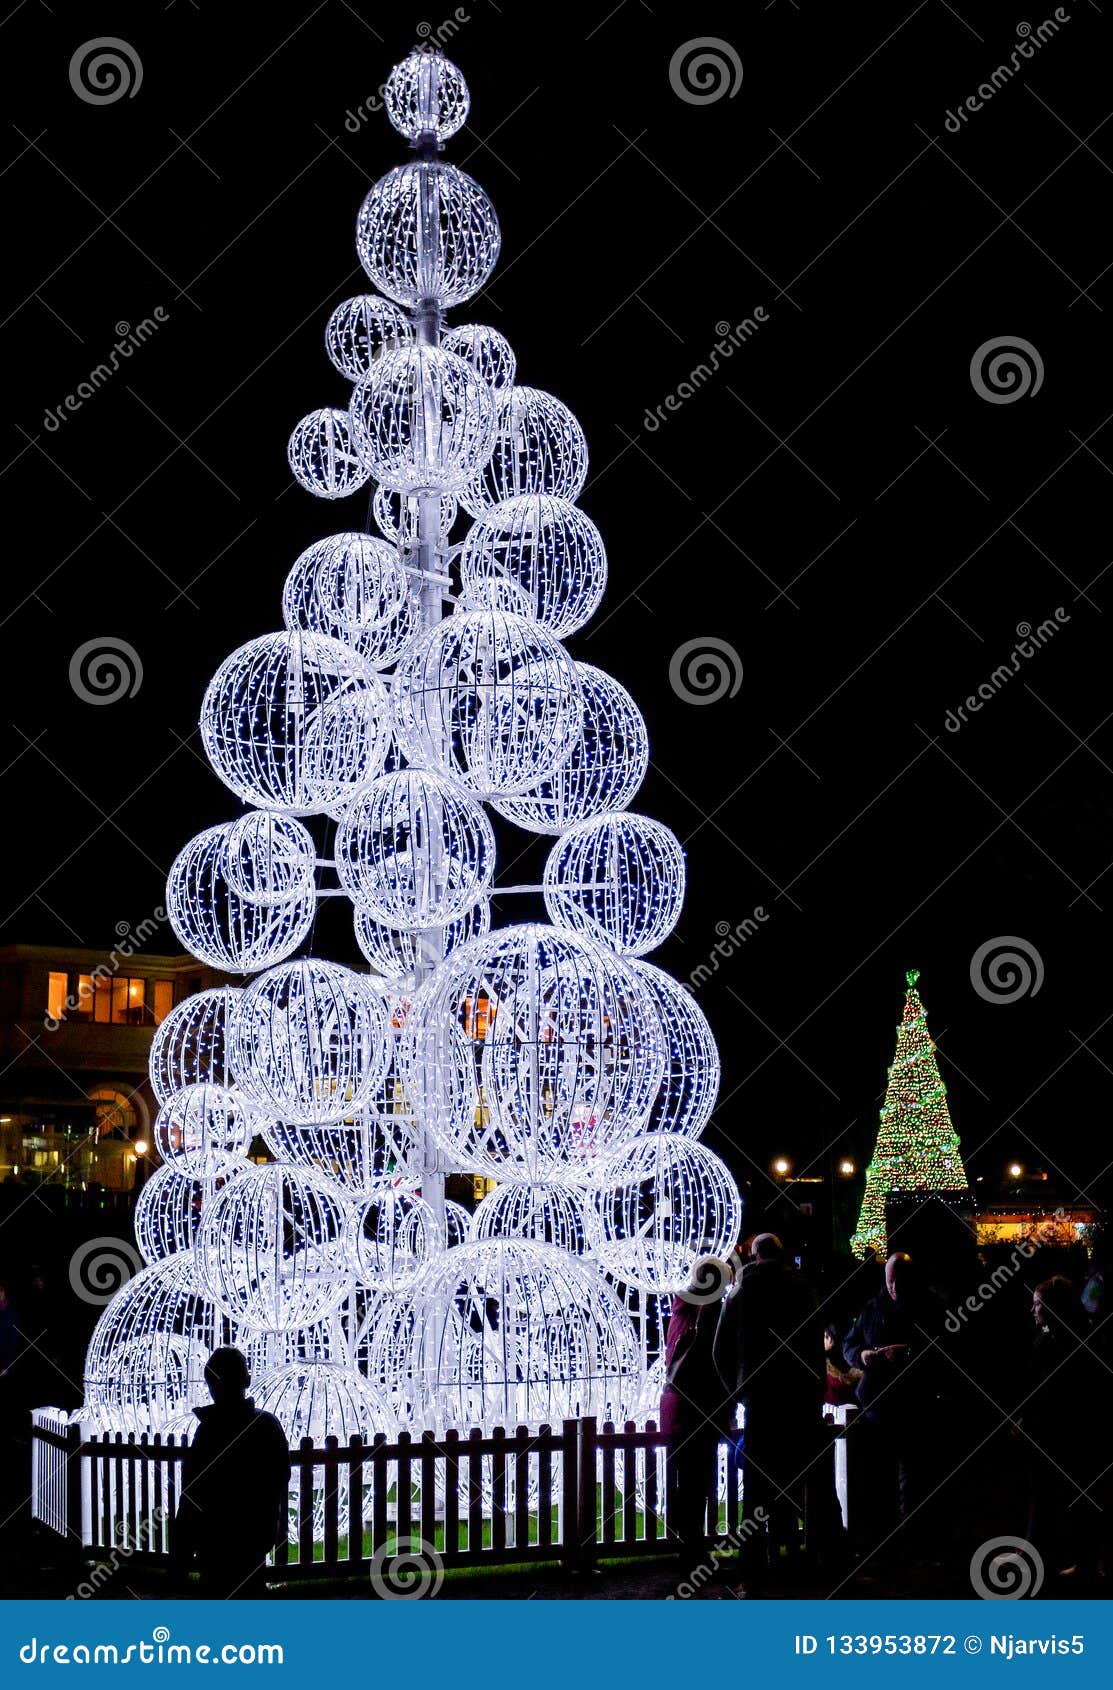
column 235, row 1486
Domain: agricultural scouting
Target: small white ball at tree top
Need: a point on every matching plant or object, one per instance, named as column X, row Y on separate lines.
column 309, row 1041
column 295, row 721
column 322, row 457
column 362, row 328
column 438, row 201
column 549, row 549
column 490, row 699
column 217, row 926
column 425, row 94
column 413, row 852
column 539, row 448
column 489, row 353
column 422, row 420
column 617, row 879
column 607, row 764
column 190, row 1046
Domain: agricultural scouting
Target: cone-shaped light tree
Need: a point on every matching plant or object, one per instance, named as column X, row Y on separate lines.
column 917, row 1147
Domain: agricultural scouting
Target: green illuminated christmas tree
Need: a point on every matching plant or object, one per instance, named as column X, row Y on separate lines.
column 917, row 1147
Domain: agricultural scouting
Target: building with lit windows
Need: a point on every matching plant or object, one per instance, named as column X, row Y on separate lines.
column 75, row 1032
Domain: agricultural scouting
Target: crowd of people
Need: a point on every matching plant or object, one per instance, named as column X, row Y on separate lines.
column 957, row 1413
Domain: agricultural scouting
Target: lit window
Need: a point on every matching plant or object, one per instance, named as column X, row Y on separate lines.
column 56, row 991
column 164, row 1000
column 84, row 1010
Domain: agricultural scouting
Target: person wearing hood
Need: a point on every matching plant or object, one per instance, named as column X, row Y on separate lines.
column 235, row 1486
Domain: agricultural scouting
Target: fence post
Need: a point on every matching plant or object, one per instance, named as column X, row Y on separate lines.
column 569, row 1496
column 587, row 1493
column 75, row 1512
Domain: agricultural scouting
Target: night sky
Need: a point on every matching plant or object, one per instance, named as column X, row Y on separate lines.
column 838, row 503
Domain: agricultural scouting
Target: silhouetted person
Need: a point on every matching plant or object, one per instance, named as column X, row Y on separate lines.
column 695, row 1411
column 1063, row 1421
column 894, row 1343
column 769, row 1353
column 235, row 1486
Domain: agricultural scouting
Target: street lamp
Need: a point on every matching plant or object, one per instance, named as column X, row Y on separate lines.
column 781, row 1166
column 1015, row 1170
column 846, row 1167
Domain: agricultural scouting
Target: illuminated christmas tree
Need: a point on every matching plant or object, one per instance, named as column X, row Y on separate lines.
column 917, row 1147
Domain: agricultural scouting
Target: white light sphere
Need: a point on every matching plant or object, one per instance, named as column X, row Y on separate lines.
column 327, row 606
column 397, row 954
column 271, row 858
column 309, row 1041
column 168, row 1208
column 270, row 1248
column 219, row 927
column 607, row 765
column 391, row 1235
column 361, row 330
column 368, row 1147
column 190, row 1047
column 322, row 457
column 509, row 1333
column 146, row 1359
column 660, row 1203
column 425, row 94
column 557, row 1037
column 549, row 549
column 617, row 879
column 489, row 353
column 539, row 448
column 489, row 698
column 322, row 1399
column 294, row 721
column 427, row 232
column 413, row 852
column 458, row 1224
column 423, row 420
column 545, row 1214
column 692, row 1070
column 198, row 1129
column 397, row 515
